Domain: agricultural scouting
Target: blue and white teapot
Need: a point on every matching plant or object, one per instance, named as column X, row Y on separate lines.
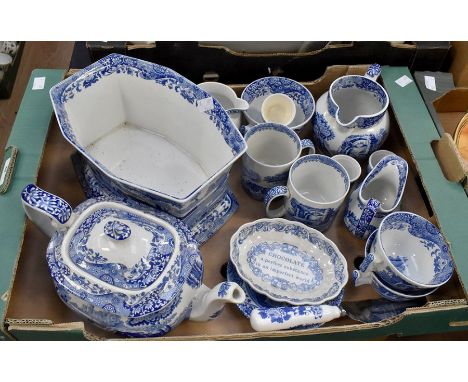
column 126, row 267
column 351, row 118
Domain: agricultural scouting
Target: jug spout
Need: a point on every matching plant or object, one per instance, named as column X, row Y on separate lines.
column 209, row 303
column 49, row 212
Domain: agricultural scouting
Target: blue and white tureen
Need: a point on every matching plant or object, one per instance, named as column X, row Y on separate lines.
column 139, row 124
column 126, row 267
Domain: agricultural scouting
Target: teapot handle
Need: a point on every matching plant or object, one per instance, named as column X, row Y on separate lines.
column 373, row 72
column 49, row 212
column 366, row 217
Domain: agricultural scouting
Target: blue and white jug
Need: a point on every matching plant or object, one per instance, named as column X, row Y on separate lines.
column 377, row 196
column 352, row 118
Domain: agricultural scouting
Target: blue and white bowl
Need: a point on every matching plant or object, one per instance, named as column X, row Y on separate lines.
column 256, row 92
column 288, row 262
column 409, row 254
column 380, row 286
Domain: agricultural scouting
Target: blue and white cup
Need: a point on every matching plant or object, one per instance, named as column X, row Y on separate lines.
column 317, row 186
column 409, row 254
column 271, row 150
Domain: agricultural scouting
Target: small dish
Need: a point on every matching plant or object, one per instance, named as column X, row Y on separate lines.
column 256, row 92
column 288, row 261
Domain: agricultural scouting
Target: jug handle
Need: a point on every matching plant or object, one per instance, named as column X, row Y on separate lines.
column 307, row 144
column 366, row 217
column 373, row 72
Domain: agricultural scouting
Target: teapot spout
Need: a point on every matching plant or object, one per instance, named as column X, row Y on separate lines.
column 209, row 303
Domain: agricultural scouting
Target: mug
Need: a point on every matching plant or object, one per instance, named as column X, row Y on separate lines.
column 271, row 151
column 317, row 186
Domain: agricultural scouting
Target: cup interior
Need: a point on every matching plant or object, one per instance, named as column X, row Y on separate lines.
column 384, row 187
column 416, row 248
column 377, row 156
column 278, row 108
column 319, row 178
column 272, row 145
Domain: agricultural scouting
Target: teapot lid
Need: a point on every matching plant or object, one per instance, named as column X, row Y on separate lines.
column 120, row 246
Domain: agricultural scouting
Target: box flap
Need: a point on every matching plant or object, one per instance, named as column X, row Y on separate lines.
column 455, row 100
column 448, row 199
column 28, row 136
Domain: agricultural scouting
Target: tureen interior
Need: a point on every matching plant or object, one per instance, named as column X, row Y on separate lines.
column 145, row 133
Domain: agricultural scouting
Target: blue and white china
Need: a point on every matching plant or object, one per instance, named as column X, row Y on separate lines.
column 228, row 99
column 139, row 124
column 409, row 254
column 278, row 108
column 203, row 221
column 134, row 271
column 275, row 312
column 288, row 261
column 376, row 157
column 256, row 92
column 9, row 47
column 383, row 289
column 317, row 186
column 271, row 151
column 352, row 118
column 351, row 165
column 377, row 196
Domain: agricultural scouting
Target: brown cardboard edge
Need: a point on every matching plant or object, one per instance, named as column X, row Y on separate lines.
column 48, row 325
column 449, row 158
column 329, row 45
column 454, row 100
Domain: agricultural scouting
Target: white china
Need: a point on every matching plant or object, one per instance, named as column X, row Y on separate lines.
column 267, row 314
column 376, row 157
column 317, row 186
column 271, row 151
column 288, row 261
column 5, row 60
column 351, row 165
column 256, row 92
column 136, row 271
column 351, row 118
column 140, row 123
column 278, row 108
column 377, row 196
column 228, row 99
column 380, row 286
column 409, row 254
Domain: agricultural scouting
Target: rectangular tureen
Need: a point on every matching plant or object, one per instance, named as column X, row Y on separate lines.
column 150, row 132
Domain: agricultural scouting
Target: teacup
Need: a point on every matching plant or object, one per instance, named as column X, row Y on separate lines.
column 271, row 151
column 409, row 254
column 278, row 108
column 317, row 186
column 382, row 288
column 376, row 157
column 350, row 164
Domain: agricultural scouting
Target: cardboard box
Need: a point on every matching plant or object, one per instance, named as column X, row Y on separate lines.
column 200, row 61
column 459, row 67
column 32, row 310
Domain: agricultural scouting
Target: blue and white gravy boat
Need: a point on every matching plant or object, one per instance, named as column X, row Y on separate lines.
column 127, row 268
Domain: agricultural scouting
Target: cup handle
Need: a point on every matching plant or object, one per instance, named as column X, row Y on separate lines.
column 308, row 144
column 366, row 217
column 373, row 72
column 361, row 278
column 272, row 194
column 244, row 128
